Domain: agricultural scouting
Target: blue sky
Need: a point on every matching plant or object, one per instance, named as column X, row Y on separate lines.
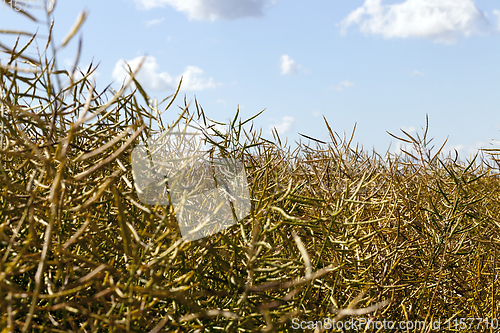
column 381, row 64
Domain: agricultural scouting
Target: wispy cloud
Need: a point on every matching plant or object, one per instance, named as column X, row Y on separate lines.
column 150, row 77
column 469, row 150
column 342, row 85
column 496, row 12
column 465, row 151
column 288, row 65
column 154, row 22
column 438, row 20
column 417, row 73
column 221, row 101
column 212, row 10
column 283, row 126
column 409, row 129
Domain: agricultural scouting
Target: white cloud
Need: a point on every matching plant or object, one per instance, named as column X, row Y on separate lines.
column 221, row 128
column 417, row 73
column 285, row 125
column 150, row 77
column 409, row 130
column 342, row 85
column 154, row 22
column 212, row 10
column 193, row 79
column 399, row 147
column 288, row 65
column 438, row 20
column 496, row 12
column 77, row 75
column 316, row 113
column 470, row 150
column 466, row 151
column 221, row 101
